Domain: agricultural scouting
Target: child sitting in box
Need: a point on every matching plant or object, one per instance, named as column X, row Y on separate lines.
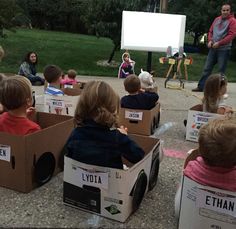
column 96, row 140
column 16, row 98
column 137, row 98
column 69, row 78
column 216, row 164
column 214, row 91
column 53, row 74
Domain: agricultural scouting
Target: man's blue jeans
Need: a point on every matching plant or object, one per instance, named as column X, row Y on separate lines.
column 214, row 56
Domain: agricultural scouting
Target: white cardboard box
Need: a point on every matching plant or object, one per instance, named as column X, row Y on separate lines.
column 109, row 192
column 195, row 120
column 64, row 105
column 206, row 207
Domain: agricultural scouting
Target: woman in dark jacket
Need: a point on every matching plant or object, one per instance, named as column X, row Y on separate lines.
column 28, row 69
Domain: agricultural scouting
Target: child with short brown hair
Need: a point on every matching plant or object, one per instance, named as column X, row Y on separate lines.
column 216, row 165
column 53, row 74
column 16, row 98
column 137, row 98
column 96, row 139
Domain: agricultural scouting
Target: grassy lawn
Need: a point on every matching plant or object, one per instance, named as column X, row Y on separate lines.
column 81, row 53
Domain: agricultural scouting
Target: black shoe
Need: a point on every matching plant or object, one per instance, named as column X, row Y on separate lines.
column 197, row 89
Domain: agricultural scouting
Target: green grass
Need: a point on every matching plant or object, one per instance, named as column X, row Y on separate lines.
column 81, row 53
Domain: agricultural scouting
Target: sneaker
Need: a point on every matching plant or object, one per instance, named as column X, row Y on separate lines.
column 197, row 89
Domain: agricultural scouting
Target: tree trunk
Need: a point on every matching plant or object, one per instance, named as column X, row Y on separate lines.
column 1, row 31
column 112, row 53
column 196, row 39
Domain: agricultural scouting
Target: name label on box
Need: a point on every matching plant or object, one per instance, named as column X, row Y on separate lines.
column 95, row 179
column 217, row 202
column 134, row 115
column 202, row 119
column 5, row 153
column 68, row 86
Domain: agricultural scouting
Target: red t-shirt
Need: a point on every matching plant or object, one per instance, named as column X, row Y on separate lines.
column 17, row 125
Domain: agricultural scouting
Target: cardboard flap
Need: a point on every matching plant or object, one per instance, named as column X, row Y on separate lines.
column 191, row 156
column 72, row 91
column 47, row 119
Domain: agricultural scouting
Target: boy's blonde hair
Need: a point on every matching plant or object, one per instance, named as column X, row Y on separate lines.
column 15, row 92
column 217, row 144
column 71, row 74
column 212, row 90
column 99, row 102
column 132, row 83
column 52, row 73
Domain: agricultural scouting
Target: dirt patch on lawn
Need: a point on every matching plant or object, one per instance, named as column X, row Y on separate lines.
column 104, row 63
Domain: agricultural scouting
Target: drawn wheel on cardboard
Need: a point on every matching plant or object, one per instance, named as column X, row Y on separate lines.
column 61, row 158
column 153, row 125
column 157, row 119
column 139, row 190
column 154, row 171
column 44, row 168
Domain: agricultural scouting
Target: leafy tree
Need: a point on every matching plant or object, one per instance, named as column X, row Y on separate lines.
column 199, row 14
column 104, row 17
column 54, row 14
column 8, row 11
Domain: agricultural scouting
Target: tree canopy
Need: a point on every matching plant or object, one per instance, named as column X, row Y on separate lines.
column 8, row 11
column 104, row 18
column 199, row 14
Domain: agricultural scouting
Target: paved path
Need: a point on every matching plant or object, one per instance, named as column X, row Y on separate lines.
column 43, row 207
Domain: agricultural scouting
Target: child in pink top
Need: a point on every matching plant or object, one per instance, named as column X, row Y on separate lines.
column 216, row 165
column 69, row 78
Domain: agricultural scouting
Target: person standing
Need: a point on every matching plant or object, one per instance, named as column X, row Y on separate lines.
column 220, row 36
column 28, row 69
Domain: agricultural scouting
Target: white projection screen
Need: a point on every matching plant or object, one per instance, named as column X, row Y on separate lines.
column 152, row 31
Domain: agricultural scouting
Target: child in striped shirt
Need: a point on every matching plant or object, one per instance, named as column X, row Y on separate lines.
column 53, row 75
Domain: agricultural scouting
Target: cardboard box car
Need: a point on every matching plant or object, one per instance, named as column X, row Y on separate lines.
column 64, row 105
column 206, row 207
column 142, row 122
column 195, row 120
column 31, row 160
column 80, row 85
column 109, row 192
column 203, row 206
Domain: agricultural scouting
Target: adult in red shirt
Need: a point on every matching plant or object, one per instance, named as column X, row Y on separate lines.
column 220, row 36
